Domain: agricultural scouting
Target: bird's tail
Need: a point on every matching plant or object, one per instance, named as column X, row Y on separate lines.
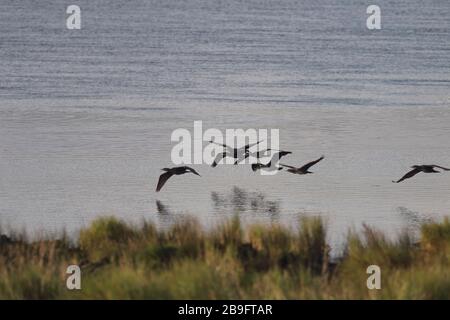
column 165, row 169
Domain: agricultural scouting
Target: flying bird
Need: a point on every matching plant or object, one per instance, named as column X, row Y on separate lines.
column 173, row 171
column 272, row 164
column 304, row 169
column 426, row 168
column 219, row 157
column 238, row 154
column 256, row 154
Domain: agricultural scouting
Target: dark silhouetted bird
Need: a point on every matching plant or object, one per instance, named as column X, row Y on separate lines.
column 304, row 169
column 427, row 168
column 273, row 163
column 238, row 154
column 219, row 157
column 173, row 171
column 256, row 154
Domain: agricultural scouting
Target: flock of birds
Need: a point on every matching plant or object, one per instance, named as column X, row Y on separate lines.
column 240, row 154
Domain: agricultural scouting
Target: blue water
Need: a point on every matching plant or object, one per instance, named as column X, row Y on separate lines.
column 86, row 115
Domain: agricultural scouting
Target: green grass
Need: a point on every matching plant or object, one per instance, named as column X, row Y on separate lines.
column 122, row 261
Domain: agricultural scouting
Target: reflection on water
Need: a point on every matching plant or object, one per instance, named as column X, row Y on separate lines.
column 226, row 204
column 243, row 201
column 161, row 208
column 246, row 204
column 165, row 216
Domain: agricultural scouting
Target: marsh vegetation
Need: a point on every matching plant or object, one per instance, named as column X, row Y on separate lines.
column 229, row 261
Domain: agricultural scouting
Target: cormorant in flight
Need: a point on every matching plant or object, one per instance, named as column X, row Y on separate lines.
column 173, row 171
column 427, row 168
column 304, row 169
column 273, row 163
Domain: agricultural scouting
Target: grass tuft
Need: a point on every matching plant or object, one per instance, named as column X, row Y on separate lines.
column 187, row 261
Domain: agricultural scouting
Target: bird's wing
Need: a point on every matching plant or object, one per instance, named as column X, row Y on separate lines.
column 162, row 180
column 275, row 159
column 310, row 164
column 278, row 155
column 285, row 165
column 410, row 174
column 261, row 154
column 258, row 154
column 221, row 144
column 192, row 170
column 443, row 168
column 248, row 146
column 218, row 158
column 242, row 157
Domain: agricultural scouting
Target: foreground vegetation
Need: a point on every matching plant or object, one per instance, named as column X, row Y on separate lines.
column 120, row 261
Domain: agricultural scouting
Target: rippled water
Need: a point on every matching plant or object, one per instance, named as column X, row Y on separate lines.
column 86, row 116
